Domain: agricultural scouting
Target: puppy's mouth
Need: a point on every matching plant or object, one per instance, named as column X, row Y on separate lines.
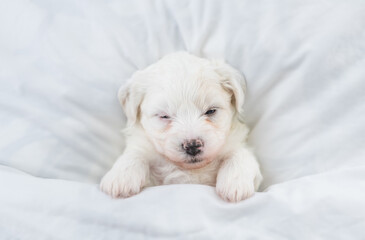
column 194, row 160
column 193, row 163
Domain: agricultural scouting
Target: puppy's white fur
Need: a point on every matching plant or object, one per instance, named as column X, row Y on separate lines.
column 167, row 105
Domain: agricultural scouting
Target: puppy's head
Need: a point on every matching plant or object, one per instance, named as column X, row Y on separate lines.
column 185, row 105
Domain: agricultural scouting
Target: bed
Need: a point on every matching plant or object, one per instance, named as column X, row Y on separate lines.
column 62, row 63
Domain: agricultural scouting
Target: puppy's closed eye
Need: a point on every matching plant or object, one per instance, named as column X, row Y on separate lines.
column 164, row 117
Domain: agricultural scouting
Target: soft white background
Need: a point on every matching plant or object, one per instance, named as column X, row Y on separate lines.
column 62, row 62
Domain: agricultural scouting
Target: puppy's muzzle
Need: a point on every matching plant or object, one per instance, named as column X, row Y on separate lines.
column 193, row 147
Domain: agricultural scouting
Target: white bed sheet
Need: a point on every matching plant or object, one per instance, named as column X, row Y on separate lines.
column 323, row 206
column 62, row 63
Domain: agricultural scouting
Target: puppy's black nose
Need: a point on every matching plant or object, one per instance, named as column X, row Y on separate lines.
column 193, row 147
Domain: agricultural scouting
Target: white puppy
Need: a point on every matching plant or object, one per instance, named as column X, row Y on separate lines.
column 185, row 126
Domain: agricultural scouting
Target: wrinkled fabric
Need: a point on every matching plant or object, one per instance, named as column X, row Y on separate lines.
column 62, row 62
column 322, row 206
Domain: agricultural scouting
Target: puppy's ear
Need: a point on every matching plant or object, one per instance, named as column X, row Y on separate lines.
column 234, row 82
column 130, row 96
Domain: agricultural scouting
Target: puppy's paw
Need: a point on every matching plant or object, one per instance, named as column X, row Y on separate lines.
column 122, row 184
column 235, row 187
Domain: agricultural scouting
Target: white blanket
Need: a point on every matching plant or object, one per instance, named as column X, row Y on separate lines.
column 323, row 206
column 62, row 62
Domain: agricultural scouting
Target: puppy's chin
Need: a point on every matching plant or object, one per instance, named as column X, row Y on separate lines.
column 192, row 163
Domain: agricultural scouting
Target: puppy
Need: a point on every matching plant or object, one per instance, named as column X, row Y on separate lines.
column 185, row 126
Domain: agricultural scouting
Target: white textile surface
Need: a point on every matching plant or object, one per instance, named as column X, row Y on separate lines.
column 62, row 62
column 323, row 206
